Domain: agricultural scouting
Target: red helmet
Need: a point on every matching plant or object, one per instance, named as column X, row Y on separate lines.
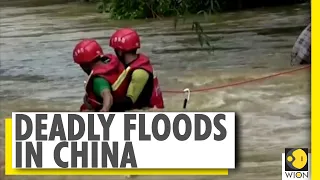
column 125, row 39
column 86, row 51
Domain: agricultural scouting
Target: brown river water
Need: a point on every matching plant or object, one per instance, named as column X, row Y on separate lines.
column 37, row 74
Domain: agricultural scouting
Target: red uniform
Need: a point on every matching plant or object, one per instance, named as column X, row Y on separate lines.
column 119, row 77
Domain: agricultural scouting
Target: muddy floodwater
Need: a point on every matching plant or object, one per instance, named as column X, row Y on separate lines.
column 37, row 73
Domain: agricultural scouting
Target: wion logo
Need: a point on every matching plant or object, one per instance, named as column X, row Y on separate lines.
column 296, row 164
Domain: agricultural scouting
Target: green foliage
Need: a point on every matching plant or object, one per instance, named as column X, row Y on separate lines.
column 103, row 6
column 202, row 36
column 140, row 9
column 128, row 9
column 137, row 9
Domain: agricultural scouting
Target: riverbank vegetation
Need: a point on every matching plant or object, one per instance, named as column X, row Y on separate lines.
column 139, row 9
column 158, row 9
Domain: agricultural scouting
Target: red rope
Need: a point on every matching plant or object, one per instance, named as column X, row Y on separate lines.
column 241, row 82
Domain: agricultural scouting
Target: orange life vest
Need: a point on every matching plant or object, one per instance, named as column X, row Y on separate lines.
column 119, row 77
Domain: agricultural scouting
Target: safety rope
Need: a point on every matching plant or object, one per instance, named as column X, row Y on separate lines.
column 239, row 83
column 187, row 91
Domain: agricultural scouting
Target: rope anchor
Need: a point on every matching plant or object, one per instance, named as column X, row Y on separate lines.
column 187, row 97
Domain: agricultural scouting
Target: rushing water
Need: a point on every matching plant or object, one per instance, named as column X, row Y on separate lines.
column 37, row 73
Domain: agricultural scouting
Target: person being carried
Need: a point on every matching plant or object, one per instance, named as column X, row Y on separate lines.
column 301, row 51
column 89, row 55
column 106, row 76
column 141, row 85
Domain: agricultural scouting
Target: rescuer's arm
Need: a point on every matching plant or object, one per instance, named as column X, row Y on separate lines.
column 102, row 88
column 139, row 79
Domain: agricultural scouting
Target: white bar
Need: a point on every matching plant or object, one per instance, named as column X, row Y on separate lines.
column 170, row 153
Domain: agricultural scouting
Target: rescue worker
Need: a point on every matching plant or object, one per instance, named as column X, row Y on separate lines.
column 141, row 85
column 107, row 79
column 89, row 55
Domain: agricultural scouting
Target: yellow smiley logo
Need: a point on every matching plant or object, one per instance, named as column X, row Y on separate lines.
column 297, row 159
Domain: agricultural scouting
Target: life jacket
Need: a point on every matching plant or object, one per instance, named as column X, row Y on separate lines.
column 114, row 72
column 143, row 62
column 119, row 77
